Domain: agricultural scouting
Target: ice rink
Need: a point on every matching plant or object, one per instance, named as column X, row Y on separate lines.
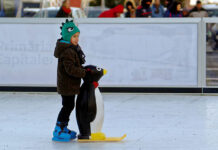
column 151, row 122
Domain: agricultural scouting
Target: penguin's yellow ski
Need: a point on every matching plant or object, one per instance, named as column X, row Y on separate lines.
column 107, row 139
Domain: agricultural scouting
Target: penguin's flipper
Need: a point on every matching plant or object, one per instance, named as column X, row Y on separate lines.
column 106, row 139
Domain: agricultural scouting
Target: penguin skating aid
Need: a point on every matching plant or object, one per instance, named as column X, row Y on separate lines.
column 87, row 109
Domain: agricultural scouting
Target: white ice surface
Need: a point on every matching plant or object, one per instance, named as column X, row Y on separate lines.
column 151, row 122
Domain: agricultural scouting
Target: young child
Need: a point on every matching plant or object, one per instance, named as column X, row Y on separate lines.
column 69, row 74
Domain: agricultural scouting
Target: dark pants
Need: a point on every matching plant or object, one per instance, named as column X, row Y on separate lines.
column 68, row 103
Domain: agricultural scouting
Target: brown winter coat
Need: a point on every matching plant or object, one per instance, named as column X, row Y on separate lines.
column 69, row 71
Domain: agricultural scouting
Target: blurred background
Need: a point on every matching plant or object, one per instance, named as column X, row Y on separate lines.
column 93, row 8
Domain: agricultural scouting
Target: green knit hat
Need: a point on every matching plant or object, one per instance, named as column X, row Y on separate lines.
column 68, row 29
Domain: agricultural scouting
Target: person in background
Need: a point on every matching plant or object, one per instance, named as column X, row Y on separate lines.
column 65, row 10
column 167, row 4
column 113, row 12
column 130, row 10
column 157, row 9
column 198, row 11
column 144, row 10
column 174, row 10
column 185, row 12
column 214, row 30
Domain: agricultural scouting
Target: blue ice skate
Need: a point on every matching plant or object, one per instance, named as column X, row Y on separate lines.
column 71, row 132
column 62, row 133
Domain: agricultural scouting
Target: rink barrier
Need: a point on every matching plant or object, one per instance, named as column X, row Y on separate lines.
column 149, row 90
column 117, row 89
column 200, row 88
column 210, row 90
column 114, row 89
column 43, row 59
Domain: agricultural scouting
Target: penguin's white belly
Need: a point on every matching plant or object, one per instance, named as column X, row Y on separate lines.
column 97, row 124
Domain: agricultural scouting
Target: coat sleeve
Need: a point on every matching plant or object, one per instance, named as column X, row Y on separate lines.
column 69, row 62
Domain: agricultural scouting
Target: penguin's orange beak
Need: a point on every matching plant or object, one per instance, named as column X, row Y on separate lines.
column 104, row 72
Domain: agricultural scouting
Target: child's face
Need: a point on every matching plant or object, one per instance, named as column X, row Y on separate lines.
column 75, row 38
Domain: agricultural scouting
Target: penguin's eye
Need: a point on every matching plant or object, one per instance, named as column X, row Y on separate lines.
column 70, row 29
column 98, row 69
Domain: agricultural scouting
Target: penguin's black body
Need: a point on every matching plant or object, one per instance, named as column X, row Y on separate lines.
column 86, row 101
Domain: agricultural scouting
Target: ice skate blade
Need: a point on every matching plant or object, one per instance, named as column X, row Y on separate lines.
column 107, row 139
column 56, row 139
column 72, row 137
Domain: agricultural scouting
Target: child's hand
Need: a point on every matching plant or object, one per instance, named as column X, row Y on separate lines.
column 88, row 75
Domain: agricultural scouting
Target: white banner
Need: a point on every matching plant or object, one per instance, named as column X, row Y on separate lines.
column 143, row 54
column 133, row 54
